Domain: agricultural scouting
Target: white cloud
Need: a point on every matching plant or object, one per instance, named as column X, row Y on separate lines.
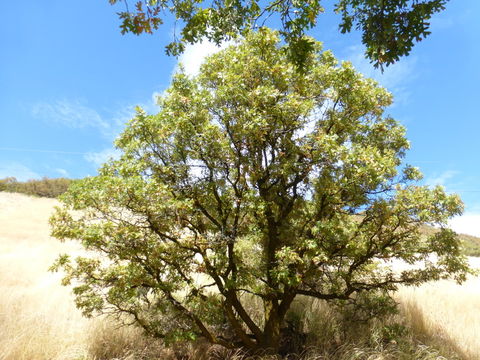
column 76, row 115
column 17, row 170
column 62, row 172
column 101, row 157
column 71, row 113
column 190, row 60
column 441, row 179
column 120, row 118
column 195, row 54
column 469, row 224
column 394, row 77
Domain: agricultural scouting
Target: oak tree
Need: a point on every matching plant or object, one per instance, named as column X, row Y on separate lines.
column 389, row 28
column 255, row 181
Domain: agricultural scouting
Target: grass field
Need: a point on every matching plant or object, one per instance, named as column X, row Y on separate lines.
column 446, row 312
column 38, row 318
column 39, row 321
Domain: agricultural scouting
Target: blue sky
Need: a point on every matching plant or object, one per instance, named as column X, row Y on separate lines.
column 69, row 81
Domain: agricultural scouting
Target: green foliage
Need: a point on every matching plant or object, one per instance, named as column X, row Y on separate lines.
column 256, row 179
column 389, row 27
column 470, row 244
column 45, row 187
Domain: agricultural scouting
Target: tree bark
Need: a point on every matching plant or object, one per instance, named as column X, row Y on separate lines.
column 273, row 322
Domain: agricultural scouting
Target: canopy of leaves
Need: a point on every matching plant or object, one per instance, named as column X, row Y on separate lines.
column 389, row 27
column 255, row 180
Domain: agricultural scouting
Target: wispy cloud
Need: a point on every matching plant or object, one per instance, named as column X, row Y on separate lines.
column 101, row 157
column 71, row 113
column 395, row 77
column 443, row 178
column 17, row 170
column 62, row 172
column 120, row 117
column 76, row 114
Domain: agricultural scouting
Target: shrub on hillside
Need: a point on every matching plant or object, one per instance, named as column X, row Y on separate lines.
column 45, row 187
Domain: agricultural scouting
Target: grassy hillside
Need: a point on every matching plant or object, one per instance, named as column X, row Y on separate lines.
column 471, row 244
column 45, row 187
column 38, row 318
column 39, row 321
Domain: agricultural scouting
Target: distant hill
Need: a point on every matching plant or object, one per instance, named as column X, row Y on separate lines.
column 45, row 187
column 471, row 243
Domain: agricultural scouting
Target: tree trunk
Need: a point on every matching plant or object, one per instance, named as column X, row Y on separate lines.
column 273, row 322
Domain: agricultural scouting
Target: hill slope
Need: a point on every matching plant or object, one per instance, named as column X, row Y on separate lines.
column 38, row 317
column 471, row 244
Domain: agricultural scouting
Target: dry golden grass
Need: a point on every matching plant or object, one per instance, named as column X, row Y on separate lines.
column 38, row 318
column 39, row 321
column 446, row 312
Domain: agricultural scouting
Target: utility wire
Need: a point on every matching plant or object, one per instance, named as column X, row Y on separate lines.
column 44, row 151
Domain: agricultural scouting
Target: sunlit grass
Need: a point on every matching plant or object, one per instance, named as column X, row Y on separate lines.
column 38, row 317
column 446, row 312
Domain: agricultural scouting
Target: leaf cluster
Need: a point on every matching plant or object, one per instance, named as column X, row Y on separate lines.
column 389, row 27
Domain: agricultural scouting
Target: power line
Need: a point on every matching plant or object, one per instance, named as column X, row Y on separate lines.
column 44, row 151
column 423, row 161
column 472, row 191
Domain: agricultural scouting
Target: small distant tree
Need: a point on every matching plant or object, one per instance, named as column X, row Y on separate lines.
column 389, row 28
column 3, row 184
column 255, row 180
column 8, row 184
